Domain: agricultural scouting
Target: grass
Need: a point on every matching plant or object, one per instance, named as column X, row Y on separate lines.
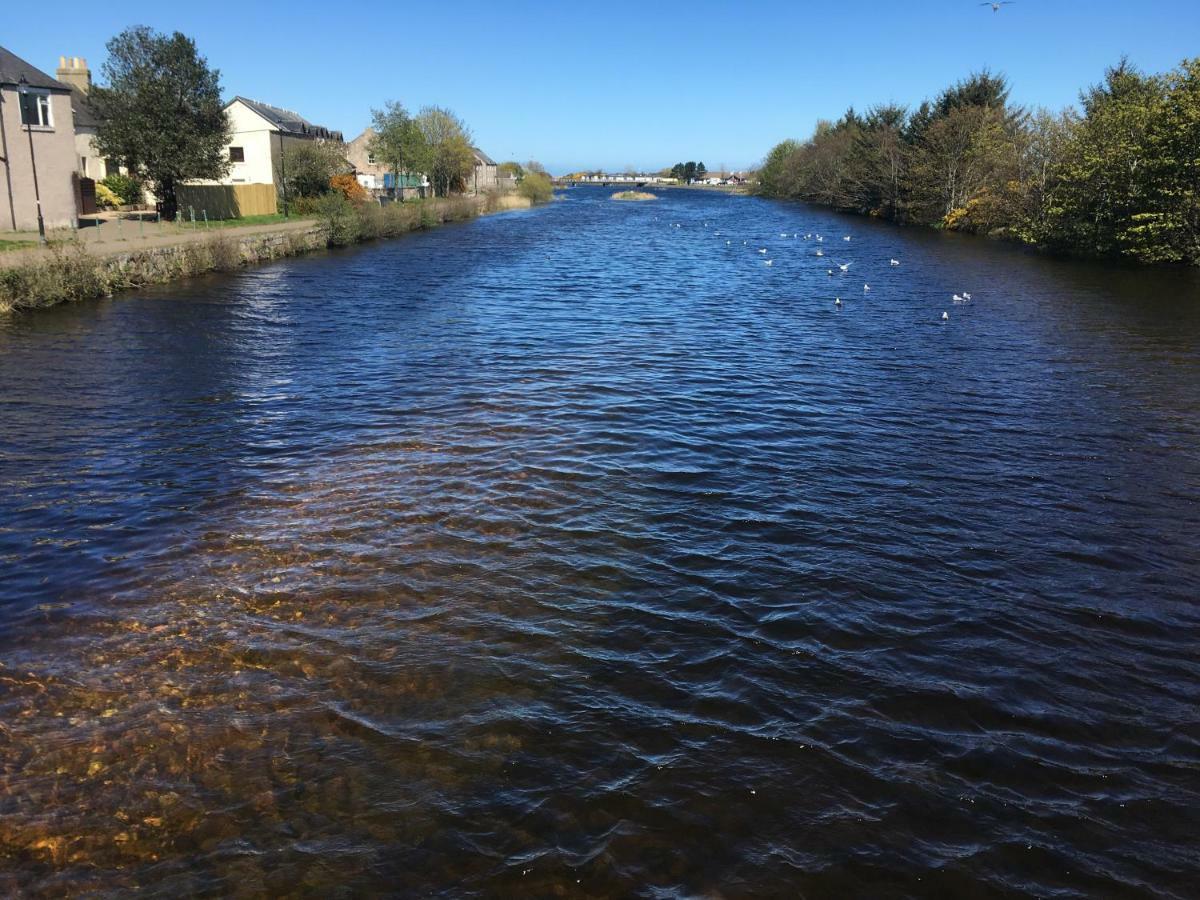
column 633, row 195
column 243, row 221
column 16, row 245
column 70, row 272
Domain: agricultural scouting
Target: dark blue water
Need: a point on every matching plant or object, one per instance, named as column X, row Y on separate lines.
column 573, row 553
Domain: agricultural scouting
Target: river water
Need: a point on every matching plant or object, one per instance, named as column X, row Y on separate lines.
column 579, row 552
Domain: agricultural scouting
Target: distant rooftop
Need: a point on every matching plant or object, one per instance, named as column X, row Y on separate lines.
column 288, row 121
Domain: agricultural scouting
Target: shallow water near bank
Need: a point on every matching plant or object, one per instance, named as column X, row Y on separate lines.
column 577, row 552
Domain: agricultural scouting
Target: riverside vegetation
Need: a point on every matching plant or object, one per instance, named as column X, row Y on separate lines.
column 1119, row 178
column 71, row 273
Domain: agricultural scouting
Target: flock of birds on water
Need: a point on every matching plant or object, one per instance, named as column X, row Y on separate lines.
column 957, row 299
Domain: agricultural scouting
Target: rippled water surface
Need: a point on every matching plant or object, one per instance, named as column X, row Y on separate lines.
column 579, row 552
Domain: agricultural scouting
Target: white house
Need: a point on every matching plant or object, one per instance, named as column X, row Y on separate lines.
column 259, row 132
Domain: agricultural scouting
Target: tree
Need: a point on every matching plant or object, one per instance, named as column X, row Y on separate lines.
column 701, row 171
column 161, row 114
column 536, row 187
column 310, row 166
column 398, row 141
column 1106, row 174
column 511, row 169
column 448, row 157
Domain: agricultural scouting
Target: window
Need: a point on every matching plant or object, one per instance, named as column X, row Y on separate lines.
column 370, row 159
column 110, row 167
column 35, row 109
column 237, row 154
column 83, row 166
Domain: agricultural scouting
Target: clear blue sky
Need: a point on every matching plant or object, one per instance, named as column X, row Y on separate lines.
column 644, row 84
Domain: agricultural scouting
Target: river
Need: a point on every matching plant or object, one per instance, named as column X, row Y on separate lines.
column 580, row 552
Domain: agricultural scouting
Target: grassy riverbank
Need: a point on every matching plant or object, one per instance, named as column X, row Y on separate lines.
column 634, row 196
column 70, row 271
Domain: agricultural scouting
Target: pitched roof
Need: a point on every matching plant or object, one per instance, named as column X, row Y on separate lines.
column 481, row 157
column 12, row 67
column 287, row 121
column 85, row 113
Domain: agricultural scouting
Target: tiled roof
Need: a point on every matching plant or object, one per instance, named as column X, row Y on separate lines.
column 482, row 157
column 85, row 114
column 289, row 122
column 12, row 67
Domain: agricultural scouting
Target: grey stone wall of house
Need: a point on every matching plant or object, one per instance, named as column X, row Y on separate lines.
column 54, row 152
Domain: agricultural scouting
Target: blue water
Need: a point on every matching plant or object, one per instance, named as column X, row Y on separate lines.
column 573, row 553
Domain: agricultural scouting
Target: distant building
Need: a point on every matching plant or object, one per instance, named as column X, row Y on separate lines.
column 42, row 117
column 376, row 177
column 259, row 132
column 486, row 174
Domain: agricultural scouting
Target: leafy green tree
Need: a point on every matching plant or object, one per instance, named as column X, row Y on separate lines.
column 398, row 140
column 1105, row 176
column 310, row 167
column 447, row 156
column 511, row 169
column 777, row 174
column 536, row 186
column 161, row 113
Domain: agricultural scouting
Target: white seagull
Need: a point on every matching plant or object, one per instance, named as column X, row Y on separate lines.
column 894, row 262
column 820, row 253
column 837, row 302
column 763, row 250
column 945, row 317
column 996, row 6
column 770, row 262
column 866, row 289
column 966, row 296
column 957, row 299
column 846, row 238
column 845, row 267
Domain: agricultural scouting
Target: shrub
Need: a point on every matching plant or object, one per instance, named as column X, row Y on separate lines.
column 302, row 206
column 225, row 253
column 349, row 187
column 126, row 187
column 536, row 187
column 106, row 198
column 339, row 218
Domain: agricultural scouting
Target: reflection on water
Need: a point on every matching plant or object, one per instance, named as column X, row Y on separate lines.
column 569, row 553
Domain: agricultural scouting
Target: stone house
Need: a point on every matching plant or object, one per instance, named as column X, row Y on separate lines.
column 376, row 177
column 37, row 132
column 486, row 174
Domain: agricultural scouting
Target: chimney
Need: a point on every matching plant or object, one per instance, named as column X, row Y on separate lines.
column 73, row 71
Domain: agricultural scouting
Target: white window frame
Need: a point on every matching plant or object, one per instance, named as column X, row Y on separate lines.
column 41, row 98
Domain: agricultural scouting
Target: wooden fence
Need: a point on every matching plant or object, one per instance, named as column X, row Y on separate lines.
column 226, row 201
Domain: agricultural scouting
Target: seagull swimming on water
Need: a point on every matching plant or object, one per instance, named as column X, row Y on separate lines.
column 894, row 262
column 820, row 253
column 945, row 317
column 966, row 296
column 763, row 250
column 770, row 262
column 845, row 267
column 957, row 299
column 838, row 302
column 866, row 289
column 846, row 238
